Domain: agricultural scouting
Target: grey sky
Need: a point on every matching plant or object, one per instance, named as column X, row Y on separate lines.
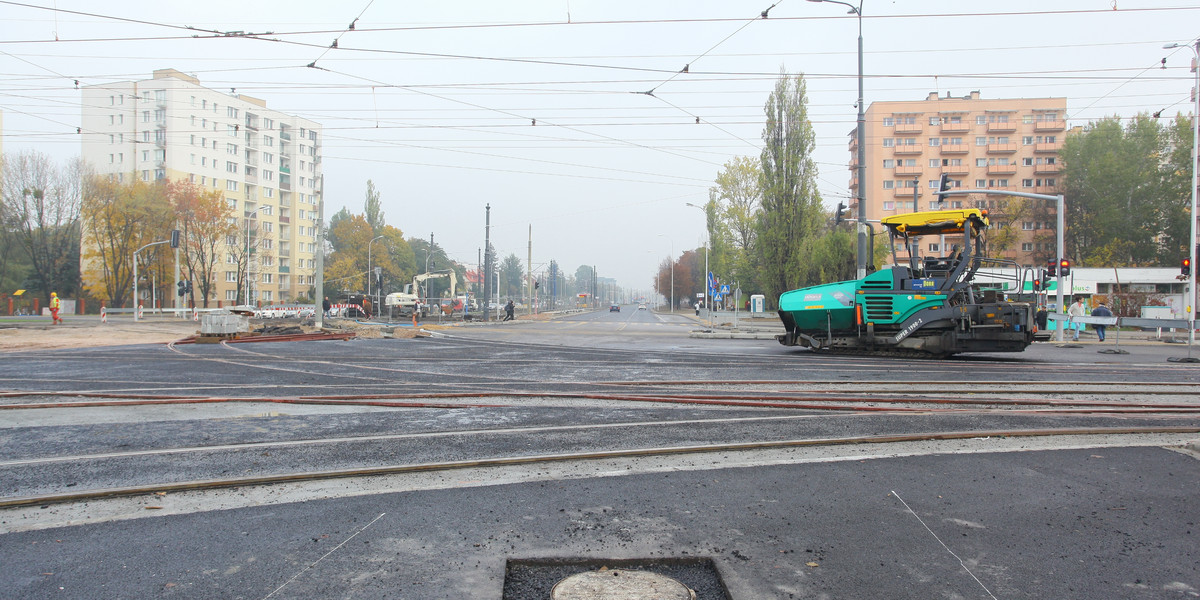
column 436, row 102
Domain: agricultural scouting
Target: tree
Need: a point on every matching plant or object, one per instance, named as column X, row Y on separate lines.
column 512, row 275
column 372, row 209
column 347, row 264
column 118, row 219
column 206, row 227
column 42, row 207
column 791, row 206
column 1122, row 194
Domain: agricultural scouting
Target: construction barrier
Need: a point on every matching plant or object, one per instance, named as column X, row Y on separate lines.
column 103, row 314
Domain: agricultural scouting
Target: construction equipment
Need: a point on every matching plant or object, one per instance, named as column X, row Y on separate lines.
column 405, row 302
column 922, row 306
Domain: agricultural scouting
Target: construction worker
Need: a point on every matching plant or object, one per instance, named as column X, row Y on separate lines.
column 55, row 304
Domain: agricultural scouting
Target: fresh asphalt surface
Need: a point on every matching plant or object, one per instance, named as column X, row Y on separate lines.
column 1109, row 520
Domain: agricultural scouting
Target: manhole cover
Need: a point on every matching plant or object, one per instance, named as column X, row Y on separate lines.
column 619, row 584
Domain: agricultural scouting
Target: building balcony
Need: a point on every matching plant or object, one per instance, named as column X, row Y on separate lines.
column 285, row 269
column 285, row 219
column 285, row 251
column 909, row 170
column 904, row 192
column 1047, row 169
column 908, row 128
column 908, row 149
column 1001, row 148
column 956, row 169
column 1002, row 169
column 285, row 170
column 283, row 135
column 959, row 127
column 1048, row 147
column 954, row 148
column 1049, row 125
column 285, row 185
column 1046, row 189
column 1001, row 127
column 251, row 178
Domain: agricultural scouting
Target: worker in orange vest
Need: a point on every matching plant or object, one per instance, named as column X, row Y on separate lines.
column 55, row 304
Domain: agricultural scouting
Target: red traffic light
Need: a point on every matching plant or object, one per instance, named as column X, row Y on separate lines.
column 1064, row 267
column 1185, row 266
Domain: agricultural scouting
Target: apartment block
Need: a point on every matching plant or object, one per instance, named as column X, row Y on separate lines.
column 266, row 163
column 1002, row 144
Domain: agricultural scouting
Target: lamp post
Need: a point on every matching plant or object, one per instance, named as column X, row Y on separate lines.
column 860, row 194
column 135, row 276
column 370, row 272
column 248, row 217
column 1189, row 301
column 707, row 300
column 671, row 258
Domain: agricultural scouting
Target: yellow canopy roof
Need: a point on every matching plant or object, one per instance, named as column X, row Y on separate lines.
column 936, row 222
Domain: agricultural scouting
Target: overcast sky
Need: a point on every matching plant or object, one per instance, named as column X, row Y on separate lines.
column 436, row 101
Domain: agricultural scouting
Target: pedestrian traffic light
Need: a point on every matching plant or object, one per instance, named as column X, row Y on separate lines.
column 839, row 216
column 1052, row 267
column 182, row 287
column 1064, row 267
column 1185, row 266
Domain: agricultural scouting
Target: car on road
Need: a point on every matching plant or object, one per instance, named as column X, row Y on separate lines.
column 614, row 308
column 641, row 307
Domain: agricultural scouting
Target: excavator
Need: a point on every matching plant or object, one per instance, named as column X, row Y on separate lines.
column 922, row 306
column 405, row 302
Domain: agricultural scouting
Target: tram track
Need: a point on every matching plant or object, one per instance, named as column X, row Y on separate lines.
column 397, row 469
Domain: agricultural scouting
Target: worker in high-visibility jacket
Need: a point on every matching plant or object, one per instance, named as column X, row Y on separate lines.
column 55, row 305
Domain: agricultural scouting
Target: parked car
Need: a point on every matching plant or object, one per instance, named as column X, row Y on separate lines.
column 641, row 307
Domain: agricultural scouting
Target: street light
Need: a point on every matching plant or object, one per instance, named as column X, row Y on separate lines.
column 370, row 272
column 1190, row 299
column 249, row 216
column 671, row 258
column 135, row 276
column 862, row 148
column 707, row 300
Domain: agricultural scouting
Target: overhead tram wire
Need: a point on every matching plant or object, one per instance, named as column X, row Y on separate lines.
column 348, row 29
column 561, row 23
column 532, row 120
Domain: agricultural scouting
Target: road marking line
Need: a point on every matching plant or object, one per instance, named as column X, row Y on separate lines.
column 935, row 536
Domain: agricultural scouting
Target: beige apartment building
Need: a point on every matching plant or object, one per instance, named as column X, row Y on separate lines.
column 1003, row 144
column 267, row 163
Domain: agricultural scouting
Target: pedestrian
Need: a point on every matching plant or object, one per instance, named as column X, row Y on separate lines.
column 55, row 305
column 1040, row 317
column 1101, row 311
column 509, row 309
column 698, row 304
column 325, row 306
column 367, row 307
column 1077, row 310
column 417, row 311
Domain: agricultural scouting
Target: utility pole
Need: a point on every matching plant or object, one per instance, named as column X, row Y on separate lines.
column 427, row 256
column 487, row 262
column 529, row 271
column 319, row 293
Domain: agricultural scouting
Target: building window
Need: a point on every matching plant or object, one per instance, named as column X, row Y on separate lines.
column 267, row 209
column 980, row 120
column 231, row 295
column 935, row 121
column 888, row 122
column 230, row 276
column 888, row 184
column 980, row 141
column 231, row 149
column 230, row 185
column 1028, row 183
column 269, row 192
column 889, row 142
column 889, row 163
column 979, row 183
column 889, row 205
column 934, row 141
column 268, row 140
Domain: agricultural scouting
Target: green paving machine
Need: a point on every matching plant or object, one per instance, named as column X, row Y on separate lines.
column 927, row 306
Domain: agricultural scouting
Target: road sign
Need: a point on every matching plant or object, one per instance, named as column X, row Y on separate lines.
column 725, row 288
column 717, row 297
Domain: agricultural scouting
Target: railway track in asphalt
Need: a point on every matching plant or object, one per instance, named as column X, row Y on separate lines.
column 136, row 449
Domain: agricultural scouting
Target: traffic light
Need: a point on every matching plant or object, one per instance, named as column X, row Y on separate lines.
column 944, row 184
column 182, row 287
column 536, row 284
column 174, row 238
column 188, row 287
column 1064, row 267
column 1037, row 282
column 841, row 208
column 1052, row 267
column 1185, row 266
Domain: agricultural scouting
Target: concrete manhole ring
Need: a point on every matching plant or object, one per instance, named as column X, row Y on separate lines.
column 620, row 584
